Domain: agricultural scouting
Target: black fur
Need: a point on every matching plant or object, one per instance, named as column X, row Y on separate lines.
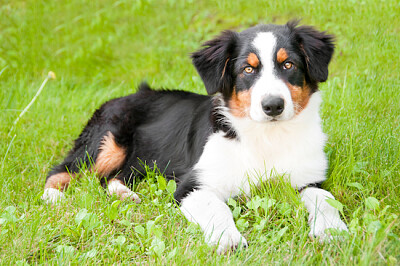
column 317, row 48
column 316, row 185
column 163, row 128
column 215, row 61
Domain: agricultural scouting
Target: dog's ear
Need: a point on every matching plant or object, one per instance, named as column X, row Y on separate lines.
column 317, row 48
column 214, row 62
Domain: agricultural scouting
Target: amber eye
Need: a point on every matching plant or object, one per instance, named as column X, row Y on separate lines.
column 249, row 70
column 287, row 65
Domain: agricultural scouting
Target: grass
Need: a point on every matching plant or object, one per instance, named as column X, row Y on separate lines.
column 102, row 49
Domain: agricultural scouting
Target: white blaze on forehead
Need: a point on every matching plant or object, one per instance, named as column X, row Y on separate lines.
column 265, row 43
column 268, row 83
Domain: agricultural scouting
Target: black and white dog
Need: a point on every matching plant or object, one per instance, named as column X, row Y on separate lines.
column 262, row 117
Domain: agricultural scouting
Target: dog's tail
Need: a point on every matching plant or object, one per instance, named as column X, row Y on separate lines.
column 144, row 86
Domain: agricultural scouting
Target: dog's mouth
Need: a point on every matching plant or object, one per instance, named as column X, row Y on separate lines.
column 268, row 120
column 274, row 119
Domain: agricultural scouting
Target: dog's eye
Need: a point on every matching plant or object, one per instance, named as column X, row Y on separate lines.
column 287, row 65
column 249, row 70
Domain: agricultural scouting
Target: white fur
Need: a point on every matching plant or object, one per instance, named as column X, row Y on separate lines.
column 268, row 84
column 52, row 195
column 293, row 148
column 215, row 219
column 115, row 187
column 322, row 215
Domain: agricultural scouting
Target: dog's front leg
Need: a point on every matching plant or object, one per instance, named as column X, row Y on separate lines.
column 322, row 215
column 215, row 219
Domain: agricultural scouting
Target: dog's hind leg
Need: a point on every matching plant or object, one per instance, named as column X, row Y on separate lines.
column 96, row 150
column 117, row 187
column 111, row 158
column 102, row 147
column 99, row 153
column 60, row 176
column 55, row 185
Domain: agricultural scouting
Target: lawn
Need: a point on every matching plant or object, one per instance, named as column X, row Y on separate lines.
column 102, row 49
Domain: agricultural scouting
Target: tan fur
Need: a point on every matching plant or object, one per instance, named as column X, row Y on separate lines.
column 239, row 103
column 253, row 61
column 111, row 156
column 223, row 71
column 282, row 55
column 58, row 181
column 300, row 96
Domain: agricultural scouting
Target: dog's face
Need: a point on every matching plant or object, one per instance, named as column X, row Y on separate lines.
column 268, row 72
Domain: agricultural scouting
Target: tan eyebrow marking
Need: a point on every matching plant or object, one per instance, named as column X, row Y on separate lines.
column 253, row 61
column 282, row 55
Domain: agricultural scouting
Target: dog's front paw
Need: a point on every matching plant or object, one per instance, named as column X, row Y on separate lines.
column 322, row 215
column 52, row 195
column 229, row 239
column 321, row 224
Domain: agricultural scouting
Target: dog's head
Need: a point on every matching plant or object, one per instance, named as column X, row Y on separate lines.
column 267, row 72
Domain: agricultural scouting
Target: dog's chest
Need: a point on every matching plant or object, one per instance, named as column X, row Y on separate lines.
column 228, row 167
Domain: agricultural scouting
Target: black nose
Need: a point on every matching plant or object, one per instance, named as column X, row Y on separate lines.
column 273, row 106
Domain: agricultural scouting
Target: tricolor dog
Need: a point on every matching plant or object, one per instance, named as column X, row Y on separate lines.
column 261, row 116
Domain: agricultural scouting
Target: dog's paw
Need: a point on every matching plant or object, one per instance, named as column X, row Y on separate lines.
column 321, row 225
column 129, row 195
column 52, row 195
column 122, row 191
column 229, row 239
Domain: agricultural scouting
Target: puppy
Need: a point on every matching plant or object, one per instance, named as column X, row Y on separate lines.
column 261, row 117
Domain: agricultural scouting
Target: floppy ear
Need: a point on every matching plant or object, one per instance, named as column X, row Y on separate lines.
column 214, row 62
column 317, row 48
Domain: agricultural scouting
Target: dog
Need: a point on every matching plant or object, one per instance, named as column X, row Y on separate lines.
column 259, row 119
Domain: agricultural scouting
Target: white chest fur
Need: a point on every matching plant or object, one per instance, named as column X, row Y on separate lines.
column 292, row 148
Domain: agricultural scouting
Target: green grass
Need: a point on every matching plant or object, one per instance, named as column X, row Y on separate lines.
column 102, row 49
